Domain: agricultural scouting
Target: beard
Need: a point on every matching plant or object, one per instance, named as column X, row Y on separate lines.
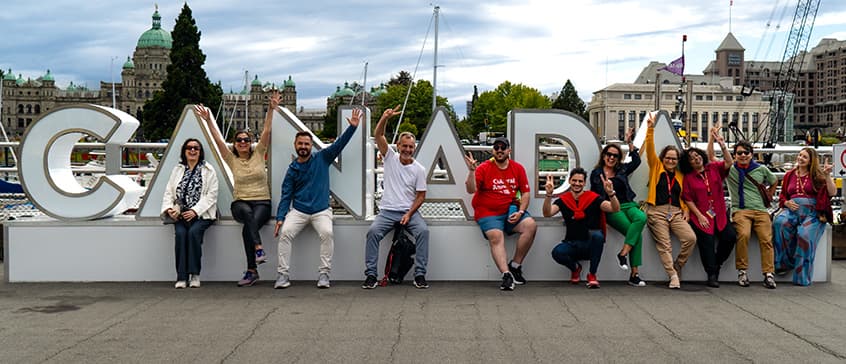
column 303, row 152
column 500, row 157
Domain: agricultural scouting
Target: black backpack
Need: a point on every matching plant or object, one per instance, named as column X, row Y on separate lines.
column 400, row 259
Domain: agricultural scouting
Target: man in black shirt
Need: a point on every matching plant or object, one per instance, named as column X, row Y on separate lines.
column 583, row 214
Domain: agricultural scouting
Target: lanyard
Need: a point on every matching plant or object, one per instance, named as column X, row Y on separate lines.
column 671, row 182
column 704, row 176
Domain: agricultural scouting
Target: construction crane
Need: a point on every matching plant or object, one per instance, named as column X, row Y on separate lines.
column 775, row 124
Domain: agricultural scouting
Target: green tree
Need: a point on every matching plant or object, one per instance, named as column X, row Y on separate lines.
column 568, row 99
column 491, row 108
column 418, row 111
column 186, row 81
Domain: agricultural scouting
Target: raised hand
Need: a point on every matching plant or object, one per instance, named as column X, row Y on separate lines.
column 550, row 185
column 827, row 167
column 630, row 135
column 650, row 120
column 470, row 161
column 203, row 111
column 389, row 113
column 275, row 99
column 607, row 184
column 356, row 117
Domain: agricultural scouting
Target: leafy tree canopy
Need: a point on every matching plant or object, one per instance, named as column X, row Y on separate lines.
column 491, row 108
column 568, row 99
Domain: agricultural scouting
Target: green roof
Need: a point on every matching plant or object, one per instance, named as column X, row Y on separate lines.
column 20, row 79
column 48, row 77
column 129, row 64
column 346, row 91
column 290, row 82
column 9, row 75
column 156, row 36
column 256, row 82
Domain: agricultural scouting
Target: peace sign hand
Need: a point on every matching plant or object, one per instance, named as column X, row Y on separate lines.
column 550, row 185
column 827, row 167
column 470, row 161
column 607, row 184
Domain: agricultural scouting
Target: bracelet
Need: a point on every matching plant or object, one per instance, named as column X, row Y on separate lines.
column 614, row 195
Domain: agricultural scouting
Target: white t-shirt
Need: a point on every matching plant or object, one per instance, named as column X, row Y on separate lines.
column 402, row 182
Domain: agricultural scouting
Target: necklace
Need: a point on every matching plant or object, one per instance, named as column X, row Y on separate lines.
column 800, row 183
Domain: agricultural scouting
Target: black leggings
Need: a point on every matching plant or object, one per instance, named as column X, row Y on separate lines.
column 253, row 214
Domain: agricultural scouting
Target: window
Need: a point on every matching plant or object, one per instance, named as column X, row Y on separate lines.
column 638, row 96
column 699, row 97
column 627, row 96
column 734, row 59
column 709, row 98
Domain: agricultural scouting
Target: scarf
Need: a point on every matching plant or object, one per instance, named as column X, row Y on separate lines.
column 741, row 177
column 578, row 207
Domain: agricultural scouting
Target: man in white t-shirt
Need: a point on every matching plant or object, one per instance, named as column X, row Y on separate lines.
column 405, row 190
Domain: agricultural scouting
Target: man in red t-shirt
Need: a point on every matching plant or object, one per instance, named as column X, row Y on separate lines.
column 501, row 197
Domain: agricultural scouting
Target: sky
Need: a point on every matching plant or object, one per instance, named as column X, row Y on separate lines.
column 323, row 43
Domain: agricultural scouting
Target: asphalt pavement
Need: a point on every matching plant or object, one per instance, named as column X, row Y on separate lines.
column 466, row 322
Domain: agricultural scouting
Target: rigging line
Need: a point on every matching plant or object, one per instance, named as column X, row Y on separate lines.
column 360, row 77
column 458, row 47
column 413, row 77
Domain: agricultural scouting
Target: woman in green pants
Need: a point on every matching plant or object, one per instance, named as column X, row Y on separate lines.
column 630, row 220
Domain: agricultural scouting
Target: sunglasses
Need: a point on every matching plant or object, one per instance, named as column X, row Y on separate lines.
column 193, row 147
column 242, row 140
column 742, row 152
column 609, row 155
column 499, row 147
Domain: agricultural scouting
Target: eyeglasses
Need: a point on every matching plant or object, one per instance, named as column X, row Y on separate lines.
column 499, row 147
column 742, row 152
column 242, row 140
column 609, row 155
column 193, row 147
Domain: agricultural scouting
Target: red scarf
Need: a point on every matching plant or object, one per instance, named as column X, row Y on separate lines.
column 578, row 207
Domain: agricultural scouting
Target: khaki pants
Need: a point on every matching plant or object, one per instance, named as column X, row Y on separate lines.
column 295, row 221
column 661, row 227
column 744, row 222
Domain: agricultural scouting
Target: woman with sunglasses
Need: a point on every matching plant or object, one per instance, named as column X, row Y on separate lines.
column 805, row 201
column 190, row 199
column 703, row 195
column 630, row 220
column 665, row 213
column 251, row 205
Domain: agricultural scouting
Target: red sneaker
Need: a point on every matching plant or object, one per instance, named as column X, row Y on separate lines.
column 575, row 277
column 592, row 281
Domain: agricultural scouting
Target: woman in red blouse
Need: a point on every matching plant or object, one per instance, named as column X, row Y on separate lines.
column 703, row 195
column 805, row 194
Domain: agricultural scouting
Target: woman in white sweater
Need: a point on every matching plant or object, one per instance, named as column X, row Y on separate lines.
column 190, row 199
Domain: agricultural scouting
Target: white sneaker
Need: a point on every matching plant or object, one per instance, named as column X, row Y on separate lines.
column 180, row 284
column 323, row 280
column 195, row 281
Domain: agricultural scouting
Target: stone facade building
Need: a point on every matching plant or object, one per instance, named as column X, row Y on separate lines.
column 736, row 90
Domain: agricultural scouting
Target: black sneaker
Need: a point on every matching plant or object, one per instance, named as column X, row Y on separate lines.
column 370, row 282
column 634, row 280
column 713, row 281
column 624, row 264
column 420, row 282
column 517, row 273
column 507, row 282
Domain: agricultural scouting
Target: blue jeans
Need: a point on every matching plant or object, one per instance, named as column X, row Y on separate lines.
column 569, row 253
column 189, row 246
column 382, row 224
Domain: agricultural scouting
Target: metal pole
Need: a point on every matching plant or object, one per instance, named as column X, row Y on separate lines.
column 112, row 74
column 657, row 91
column 364, row 86
column 689, row 117
column 435, row 71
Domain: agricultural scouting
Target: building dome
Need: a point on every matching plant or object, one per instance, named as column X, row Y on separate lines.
column 346, row 91
column 290, row 82
column 155, row 36
column 256, row 82
column 128, row 64
column 9, row 76
column 20, row 80
column 48, row 77
column 379, row 91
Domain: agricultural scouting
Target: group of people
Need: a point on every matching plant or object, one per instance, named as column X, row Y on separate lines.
column 685, row 198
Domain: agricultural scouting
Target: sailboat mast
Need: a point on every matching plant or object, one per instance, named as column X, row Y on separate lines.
column 435, row 70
